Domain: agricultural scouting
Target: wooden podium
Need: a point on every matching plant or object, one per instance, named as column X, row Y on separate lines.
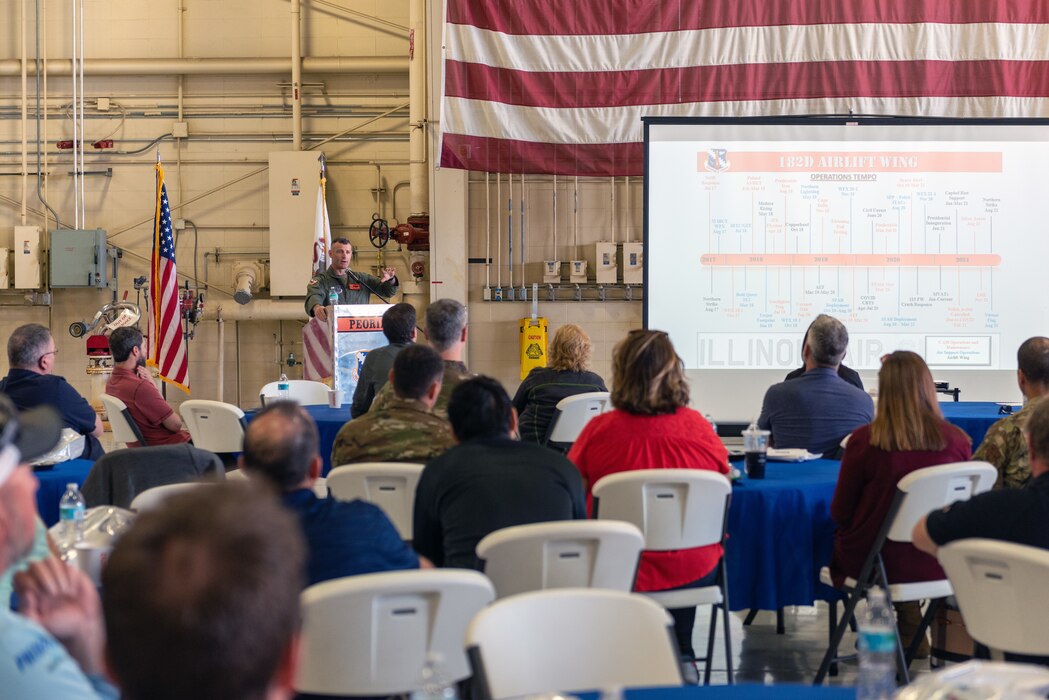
column 356, row 330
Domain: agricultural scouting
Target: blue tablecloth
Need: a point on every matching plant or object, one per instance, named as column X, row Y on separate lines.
column 53, row 484
column 780, row 534
column 744, row 691
column 328, row 421
column 974, row 417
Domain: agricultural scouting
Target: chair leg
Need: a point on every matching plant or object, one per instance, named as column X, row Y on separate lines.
column 710, row 644
column 832, row 623
column 926, row 621
column 728, row 642
column 780, row 627
column 839, row 632
column 751, row 614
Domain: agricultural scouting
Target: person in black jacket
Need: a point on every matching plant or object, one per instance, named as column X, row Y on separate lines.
column 568, row 374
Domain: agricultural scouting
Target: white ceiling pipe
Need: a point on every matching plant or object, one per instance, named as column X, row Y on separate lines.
column 215, row 66
column 296, row 76
column 257, row 310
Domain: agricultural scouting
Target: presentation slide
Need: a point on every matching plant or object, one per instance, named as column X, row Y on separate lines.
column 931, row 237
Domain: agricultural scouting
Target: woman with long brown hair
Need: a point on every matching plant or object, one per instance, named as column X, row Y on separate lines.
column 908, row 433
column 652, row 427
column 567, row 374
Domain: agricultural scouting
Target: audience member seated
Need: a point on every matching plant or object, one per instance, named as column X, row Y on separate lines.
column 818, row 409
column 489, row 480
column 343, row 538
column 201, row 599
column 908, row 433
column 131, row 383
column 1004, row 445
column 567, row 374
column 398, row 325
column 31, row 382
column 652, row 427
column 847, row 373
column 53, row 647
column 118, row 476
column 446, row 331
column 404, row 429
column 1011, row 515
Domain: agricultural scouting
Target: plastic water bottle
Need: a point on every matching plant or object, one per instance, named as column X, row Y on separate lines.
column 433, row 687
column 283, row 388
column 877, row 647
column 71, row 514
column 333, row 297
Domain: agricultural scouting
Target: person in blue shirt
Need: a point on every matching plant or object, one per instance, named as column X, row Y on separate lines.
column 53, row 647
column 343, row 538
column 819, row 408
column 31, row 382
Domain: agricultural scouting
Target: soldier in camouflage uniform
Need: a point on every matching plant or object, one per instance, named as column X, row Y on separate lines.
column 404, row 429
column 350, row 286
column 1004, row 446
column 446, row 331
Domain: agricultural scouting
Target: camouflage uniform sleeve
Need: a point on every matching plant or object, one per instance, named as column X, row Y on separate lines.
column 346, row 449
column 1001, row 447
column 316, row 293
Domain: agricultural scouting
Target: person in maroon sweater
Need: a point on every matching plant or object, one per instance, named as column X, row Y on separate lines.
column 653, row 428
column 908, row 433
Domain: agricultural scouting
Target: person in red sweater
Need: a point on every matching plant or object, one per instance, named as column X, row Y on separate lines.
column 652, row 427
column 908, row 433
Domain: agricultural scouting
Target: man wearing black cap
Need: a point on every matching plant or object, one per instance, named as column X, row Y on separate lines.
column 54, row 646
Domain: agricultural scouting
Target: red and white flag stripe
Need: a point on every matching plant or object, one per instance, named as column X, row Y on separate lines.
column 560, row 86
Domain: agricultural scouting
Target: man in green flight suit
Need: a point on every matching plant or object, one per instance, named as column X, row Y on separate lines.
column 350, row 286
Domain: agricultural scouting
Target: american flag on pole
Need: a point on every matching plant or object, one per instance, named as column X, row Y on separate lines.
column 169, row 346
column 560, row 86
column 322, row 227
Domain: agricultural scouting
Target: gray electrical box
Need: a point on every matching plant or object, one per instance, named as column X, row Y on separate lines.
column 78, row 258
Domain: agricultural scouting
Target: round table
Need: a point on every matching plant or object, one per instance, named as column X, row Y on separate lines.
column 780, row 534
column 53, row 483
column 974, row 417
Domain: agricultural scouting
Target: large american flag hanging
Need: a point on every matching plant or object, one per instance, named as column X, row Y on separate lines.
column 169, row 346
column 560, row 86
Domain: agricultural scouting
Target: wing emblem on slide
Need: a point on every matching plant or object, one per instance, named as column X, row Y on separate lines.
column 717, row 160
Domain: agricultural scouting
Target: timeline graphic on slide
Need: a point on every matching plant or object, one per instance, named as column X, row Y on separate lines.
column 914, row 246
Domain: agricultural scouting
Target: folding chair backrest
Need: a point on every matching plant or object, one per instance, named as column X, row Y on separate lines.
column 214, row 425
column 562, row 554
column 570, row 639
column 124, row 428
column 674, row 508
column 151, row 498
column 372, row 634
column 574, row 412
column 305, row 391
column 935, row 487
column 1000, row 588
column 389, row 485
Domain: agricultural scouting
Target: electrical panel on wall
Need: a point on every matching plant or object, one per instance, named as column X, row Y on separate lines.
column 79, row 258
column 294, row 182
column 27, row 257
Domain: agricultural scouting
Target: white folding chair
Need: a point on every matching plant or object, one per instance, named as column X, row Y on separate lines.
column 918, row 493
column 214, row 426
column 389, row 485
column 305, row 391
column 571, row 416
column 151, row 498
column 676, row 509
column 373, row 634
column 125, row 429
column 562, row 554
column 1000, row 589
column 570, row 639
